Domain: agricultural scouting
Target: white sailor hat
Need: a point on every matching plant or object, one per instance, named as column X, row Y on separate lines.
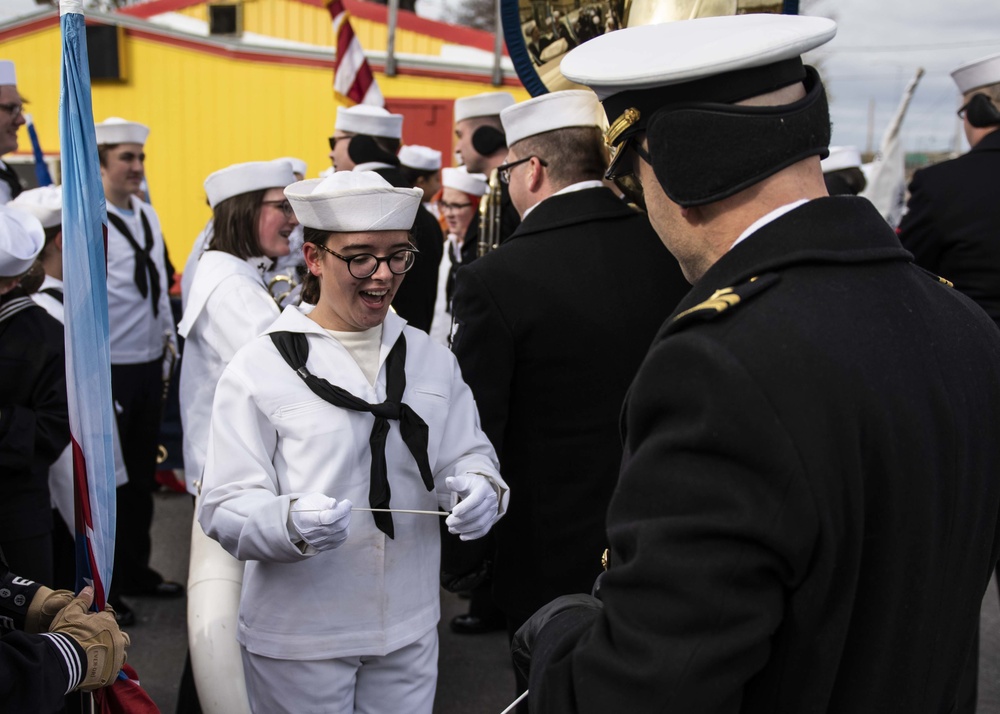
column 369, row 120
column 115, row 130
column 7, row 73
column 354, row 201
column 841, row 157
column 556, row 110
column 979, row 73
column 243, row 178
column 489, row 104
column 461, row 180
column 711, row 59
column 298, row 165
column 422, row 158
column 44, row 203
column 21, row 240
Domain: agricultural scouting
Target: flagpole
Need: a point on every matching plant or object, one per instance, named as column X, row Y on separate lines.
column 390, row 50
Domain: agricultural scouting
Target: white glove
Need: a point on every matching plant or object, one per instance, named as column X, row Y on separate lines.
column 323, row 522
column 478, row 510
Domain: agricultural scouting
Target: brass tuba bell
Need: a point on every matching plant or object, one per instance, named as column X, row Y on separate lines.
column 539, row 33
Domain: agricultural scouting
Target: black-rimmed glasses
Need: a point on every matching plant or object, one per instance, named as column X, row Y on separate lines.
column 15, row 110
column 503, row 170
column 364, row 265
column 284, row 206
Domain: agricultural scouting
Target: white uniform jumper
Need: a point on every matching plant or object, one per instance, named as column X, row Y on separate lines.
column 273, row 440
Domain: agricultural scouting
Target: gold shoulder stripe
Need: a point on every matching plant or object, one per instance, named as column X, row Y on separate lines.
column 721, row 300
column 946, row 281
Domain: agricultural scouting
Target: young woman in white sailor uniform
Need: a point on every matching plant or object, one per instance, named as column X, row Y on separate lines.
column 228, row 306
column 330, row 413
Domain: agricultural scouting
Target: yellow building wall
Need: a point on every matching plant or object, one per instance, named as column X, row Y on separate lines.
column 205, row 112
column 297, row 21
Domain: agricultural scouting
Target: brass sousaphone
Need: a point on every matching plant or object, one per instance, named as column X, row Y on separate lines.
column 539, row 33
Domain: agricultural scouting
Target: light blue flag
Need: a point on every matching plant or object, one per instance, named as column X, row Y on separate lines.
column 88, row 354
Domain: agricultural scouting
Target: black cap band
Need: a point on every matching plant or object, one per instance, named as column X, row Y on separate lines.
column 726, row 88
column 702, row 153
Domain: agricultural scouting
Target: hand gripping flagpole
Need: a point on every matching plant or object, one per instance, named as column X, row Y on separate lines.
column 88, row 356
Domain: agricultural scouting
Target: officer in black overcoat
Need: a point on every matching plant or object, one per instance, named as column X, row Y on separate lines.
column 550, row 329
column 807, row 515
column 953, row 219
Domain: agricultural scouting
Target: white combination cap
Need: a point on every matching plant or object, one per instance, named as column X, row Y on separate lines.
column 556, row 110
column 353, row 202
column 461, row 180
column 489, row 104
column 298, row 165
column 422, row 158
column 115, row 130
column 243, row 178
column 677, row 53
column 369, row 120
column 982, row 72
column 7, row 73
column 21, row 240
column 842, row 157
column 44, row 203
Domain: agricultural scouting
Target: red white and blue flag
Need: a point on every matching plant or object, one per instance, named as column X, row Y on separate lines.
column 353, row 80
column 88, row 354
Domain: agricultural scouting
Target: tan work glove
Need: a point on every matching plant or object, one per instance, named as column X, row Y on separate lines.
column 44, row 606
column 98, row 634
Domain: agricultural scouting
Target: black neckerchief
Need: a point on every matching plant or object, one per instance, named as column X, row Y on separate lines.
column 294, row 349
column 143, row 259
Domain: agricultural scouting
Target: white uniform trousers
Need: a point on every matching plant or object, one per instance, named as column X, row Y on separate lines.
column 401, row 681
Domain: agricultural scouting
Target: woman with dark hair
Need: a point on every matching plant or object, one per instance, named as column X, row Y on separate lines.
column 228, row 306
column 336, row 405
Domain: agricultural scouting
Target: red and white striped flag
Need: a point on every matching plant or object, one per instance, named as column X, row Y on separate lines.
column 353, row 80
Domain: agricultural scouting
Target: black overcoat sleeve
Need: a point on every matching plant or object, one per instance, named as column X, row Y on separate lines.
column 919, row 231
column 484, row 347
column 710, row 526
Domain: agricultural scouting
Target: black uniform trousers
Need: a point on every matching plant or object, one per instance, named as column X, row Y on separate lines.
column 138, row 391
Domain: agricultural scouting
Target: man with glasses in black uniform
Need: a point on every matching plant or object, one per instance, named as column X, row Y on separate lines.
column 550, row 329
column 11, row 119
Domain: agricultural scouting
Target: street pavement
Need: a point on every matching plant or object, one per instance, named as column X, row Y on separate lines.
column 475, row 675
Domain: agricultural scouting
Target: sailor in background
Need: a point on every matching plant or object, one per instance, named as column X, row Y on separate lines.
column 574, row 297
column 952, row 222
column 842, row 171
column 420, row 167
column 34, row 418
column 11, row 119
column 142, row 333
column 339, row 405
column 459, row 208
column 481, row 145
column 807, row 514
column 228, row 307
column 368, row 138
column 45, row 203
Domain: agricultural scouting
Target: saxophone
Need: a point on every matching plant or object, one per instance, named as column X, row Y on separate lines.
column 489, row 217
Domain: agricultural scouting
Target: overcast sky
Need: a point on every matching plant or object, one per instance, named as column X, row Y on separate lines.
column 879, row 45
